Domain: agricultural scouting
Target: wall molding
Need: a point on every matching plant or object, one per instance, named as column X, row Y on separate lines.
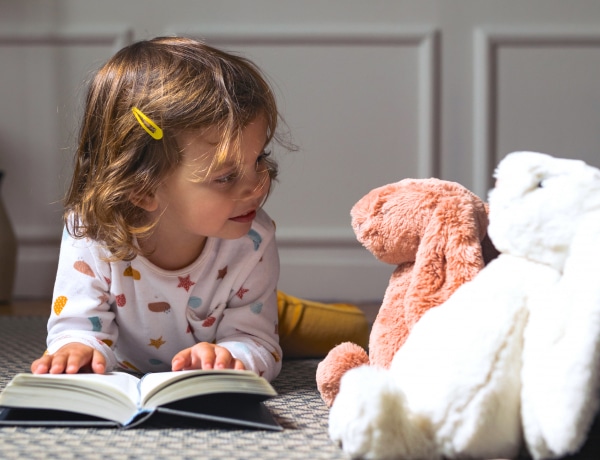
column 116, row 37
column 487, row 41
column 316, row 259
column 38, row 245
column 425, row 39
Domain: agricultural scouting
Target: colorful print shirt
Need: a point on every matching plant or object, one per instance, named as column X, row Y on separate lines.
column 139, row 316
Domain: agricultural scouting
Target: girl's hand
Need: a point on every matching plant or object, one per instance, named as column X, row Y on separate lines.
column 70, row 359
column 205, row 355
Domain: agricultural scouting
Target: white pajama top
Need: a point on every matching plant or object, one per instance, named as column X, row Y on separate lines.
column 139, row 316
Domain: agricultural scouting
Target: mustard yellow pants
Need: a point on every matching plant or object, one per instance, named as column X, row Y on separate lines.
column 309, row 329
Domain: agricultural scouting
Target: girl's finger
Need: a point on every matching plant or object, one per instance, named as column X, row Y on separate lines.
column 98, row 362
column 206, row 356
column 182, row 360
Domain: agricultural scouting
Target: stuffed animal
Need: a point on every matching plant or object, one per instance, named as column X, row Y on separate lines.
column 432, row 230
column 511, row 359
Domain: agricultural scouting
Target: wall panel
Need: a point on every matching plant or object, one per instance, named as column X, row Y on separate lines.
column 362, row 93
column 43, row 77
column 535, row 89
column 373, row 92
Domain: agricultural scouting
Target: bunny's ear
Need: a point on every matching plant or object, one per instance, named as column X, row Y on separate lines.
column 449, row 254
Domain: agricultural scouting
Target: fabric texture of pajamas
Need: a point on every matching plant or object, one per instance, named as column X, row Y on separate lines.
column 139, row 316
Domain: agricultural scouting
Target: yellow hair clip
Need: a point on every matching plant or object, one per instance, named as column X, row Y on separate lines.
column 147, row 123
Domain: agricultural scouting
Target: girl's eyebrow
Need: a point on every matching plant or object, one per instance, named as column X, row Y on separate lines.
column 225, row 167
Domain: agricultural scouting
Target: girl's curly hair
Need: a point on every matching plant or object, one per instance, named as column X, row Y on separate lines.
column 180, row 84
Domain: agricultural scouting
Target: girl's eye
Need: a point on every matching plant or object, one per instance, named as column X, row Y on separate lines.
column 261, row 162
column 226, row 179
column 263, row 156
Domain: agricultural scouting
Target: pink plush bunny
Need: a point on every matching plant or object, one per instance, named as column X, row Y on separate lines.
column 433, row 231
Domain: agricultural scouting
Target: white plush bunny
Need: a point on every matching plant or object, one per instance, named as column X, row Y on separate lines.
column 512, row 355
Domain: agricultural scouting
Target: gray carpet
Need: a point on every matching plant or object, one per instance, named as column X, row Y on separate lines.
column 298, row 408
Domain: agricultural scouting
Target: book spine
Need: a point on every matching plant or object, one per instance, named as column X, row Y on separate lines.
column 139, row 417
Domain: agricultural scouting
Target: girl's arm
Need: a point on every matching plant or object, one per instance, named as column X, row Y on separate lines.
column 81, row 311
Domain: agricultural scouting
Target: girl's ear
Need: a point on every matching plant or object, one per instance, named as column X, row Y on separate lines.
column 148, row 202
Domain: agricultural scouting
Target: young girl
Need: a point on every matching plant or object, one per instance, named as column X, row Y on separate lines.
column 168, row 261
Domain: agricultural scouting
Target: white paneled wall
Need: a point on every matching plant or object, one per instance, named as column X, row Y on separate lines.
column 372, row 92
column 536, row 88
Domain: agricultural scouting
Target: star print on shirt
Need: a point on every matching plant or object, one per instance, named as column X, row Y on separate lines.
column 185, row 282
column 222, row 273
column 241, row 291
column 157, row 343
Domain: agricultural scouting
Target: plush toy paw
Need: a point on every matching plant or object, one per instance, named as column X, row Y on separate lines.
column 338, row 361
column 376, row 424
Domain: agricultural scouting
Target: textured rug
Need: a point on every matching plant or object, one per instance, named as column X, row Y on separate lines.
column 298, row 408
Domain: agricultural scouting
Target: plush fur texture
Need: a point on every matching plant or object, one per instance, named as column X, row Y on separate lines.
column 432, row 230
column 512, row 355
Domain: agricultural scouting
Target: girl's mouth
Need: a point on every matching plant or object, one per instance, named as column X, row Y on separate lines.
column 244, row 218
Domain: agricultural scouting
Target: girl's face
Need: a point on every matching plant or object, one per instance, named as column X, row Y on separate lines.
column 190, row 208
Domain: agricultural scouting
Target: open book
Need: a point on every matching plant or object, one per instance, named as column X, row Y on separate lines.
column 121, row 399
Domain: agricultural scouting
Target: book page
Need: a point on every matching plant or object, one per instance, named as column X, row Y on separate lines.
column 112, row 382
column 113, row 396
column 184, row 384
